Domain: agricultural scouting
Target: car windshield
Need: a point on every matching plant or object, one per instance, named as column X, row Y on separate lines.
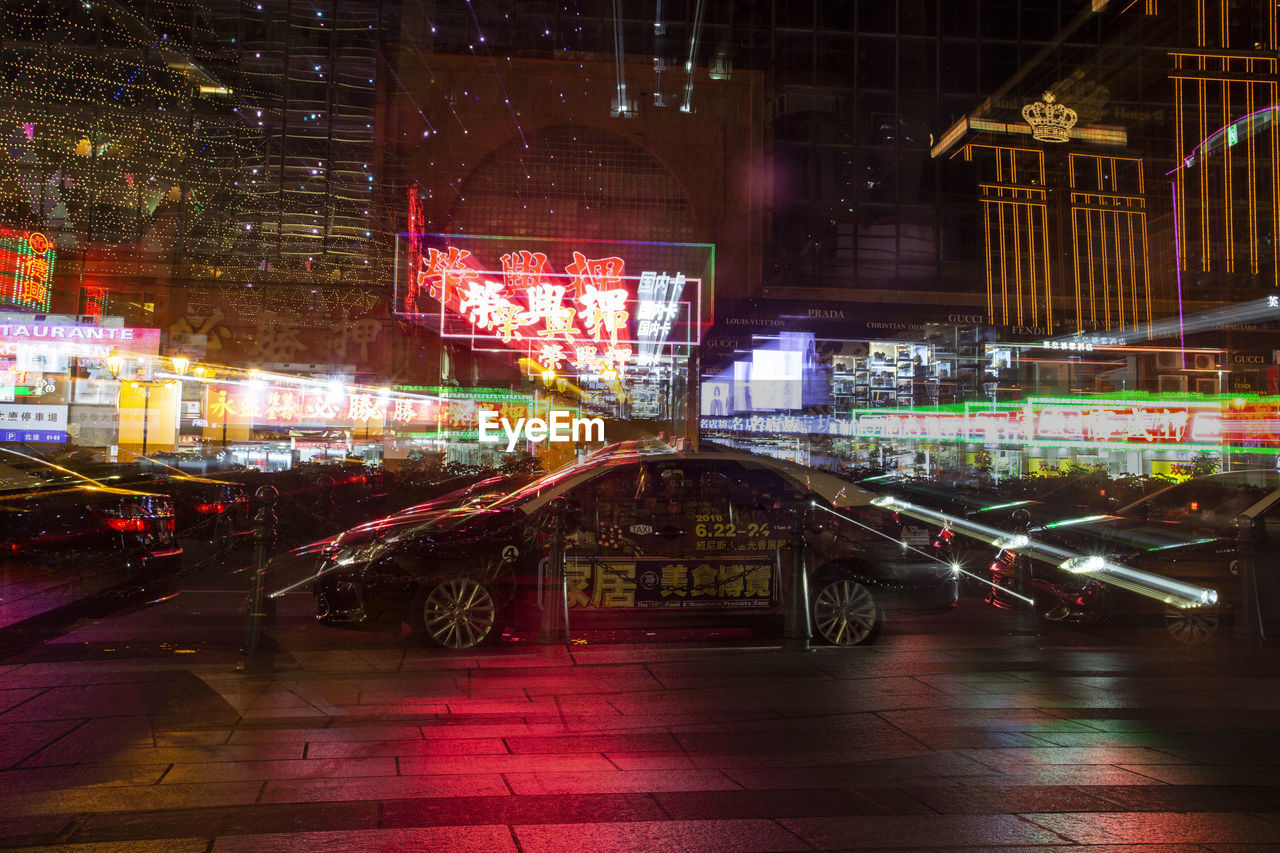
column 1213, row 500
column 550, row 481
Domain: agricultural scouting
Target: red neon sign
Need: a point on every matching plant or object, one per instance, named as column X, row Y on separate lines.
column 26, row 258
column 579, row 315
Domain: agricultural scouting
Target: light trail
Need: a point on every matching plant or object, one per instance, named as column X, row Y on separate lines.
column 1149, row 584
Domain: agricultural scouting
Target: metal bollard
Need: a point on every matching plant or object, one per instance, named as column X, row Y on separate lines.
column 1248, row 617
column 555, row 610
column 262, row 609
column 796, row 628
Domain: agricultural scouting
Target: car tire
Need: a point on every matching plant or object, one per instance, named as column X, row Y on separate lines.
column 455, row 613
column 846, row 613
column 1192, row 626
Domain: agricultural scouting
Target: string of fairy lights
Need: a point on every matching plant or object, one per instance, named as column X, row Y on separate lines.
column 231, row 148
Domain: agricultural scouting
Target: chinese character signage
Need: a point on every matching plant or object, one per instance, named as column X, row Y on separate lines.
column 20, row 422
column 26, row 269
column 247, row 405
column 1174, row 423
column 661, row 583
column 588, row 305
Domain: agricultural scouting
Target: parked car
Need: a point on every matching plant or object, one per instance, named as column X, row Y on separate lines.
column 208, row 510
column 474, row 494
column 644, row 534
column 1075, row 569
column 52, row 515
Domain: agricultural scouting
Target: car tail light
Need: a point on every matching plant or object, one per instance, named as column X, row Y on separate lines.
column 212, row 508
column 128, row 525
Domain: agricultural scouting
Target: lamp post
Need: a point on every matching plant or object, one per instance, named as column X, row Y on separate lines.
column 180, row 364
column 115, row 363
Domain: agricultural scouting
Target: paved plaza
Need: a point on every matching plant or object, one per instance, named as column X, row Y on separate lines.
column 142, row 731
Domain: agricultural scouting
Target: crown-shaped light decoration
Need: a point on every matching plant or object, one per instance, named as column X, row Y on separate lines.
column 1049, row 122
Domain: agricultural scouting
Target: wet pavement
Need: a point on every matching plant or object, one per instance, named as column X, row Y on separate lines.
column 142, row 730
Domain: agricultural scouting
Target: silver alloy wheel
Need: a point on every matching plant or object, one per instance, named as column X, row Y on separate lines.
column 1191, row 626
column 845, row 613
column 459, row 613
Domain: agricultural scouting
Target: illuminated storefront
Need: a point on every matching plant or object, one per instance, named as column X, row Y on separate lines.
column 55, row 385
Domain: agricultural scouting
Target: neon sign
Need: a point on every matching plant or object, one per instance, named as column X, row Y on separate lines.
column 592, row 305
column 253, row 405
column 93, row 300
column 26, row 259
column 1085, row 422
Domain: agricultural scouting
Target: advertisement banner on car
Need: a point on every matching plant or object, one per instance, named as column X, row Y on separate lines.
column 656, row 583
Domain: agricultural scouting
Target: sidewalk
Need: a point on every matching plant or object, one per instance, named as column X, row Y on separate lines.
column 137, row 732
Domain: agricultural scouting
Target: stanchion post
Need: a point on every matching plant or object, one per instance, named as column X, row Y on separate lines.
column 262, row 609
column 1024, row 616
column 555, row 615
column 796, row 629
column 1248, row 618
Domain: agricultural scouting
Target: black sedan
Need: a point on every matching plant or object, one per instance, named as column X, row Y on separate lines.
column 644, row 535
column 56, row 517
column 1173, row 556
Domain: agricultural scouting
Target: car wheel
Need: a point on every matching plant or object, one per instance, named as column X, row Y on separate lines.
column 846, row 613
column 458, row 613
column 1191, row 625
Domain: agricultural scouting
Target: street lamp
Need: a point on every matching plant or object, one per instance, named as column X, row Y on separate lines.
column 180, row 365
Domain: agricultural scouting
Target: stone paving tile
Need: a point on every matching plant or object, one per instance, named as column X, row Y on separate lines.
column 131, row 798
column 334, row 733
column 448, row 764
column 833, row 777
column 617, row 782
column 1014, row 719
column 946, row 739
column 704, row 836
column 230, row 771
column 1105, row 848
column 96, row 740
column 680, row 760
column 560, row 808
column 17, row 830
column 80, row 776
column 13, row 697
column 619, row 723
column 84, row 673
column 803, row 802
column 208, row 822
column 91, row 700
column 736, row 699
column 160, row 845
column 452, row 839
column 1188, row 798
column 440, row 746
column 628, row 741
column 194, row 754
column 1232, row 752
column 917, row 832
column 1202, row 774
column 1011, row 760
column 383, row 787
column 194, row 737
column 997, row 799
column 1165, row 741
column 1137, row 827
column 1065, row 774
column 19, row 740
